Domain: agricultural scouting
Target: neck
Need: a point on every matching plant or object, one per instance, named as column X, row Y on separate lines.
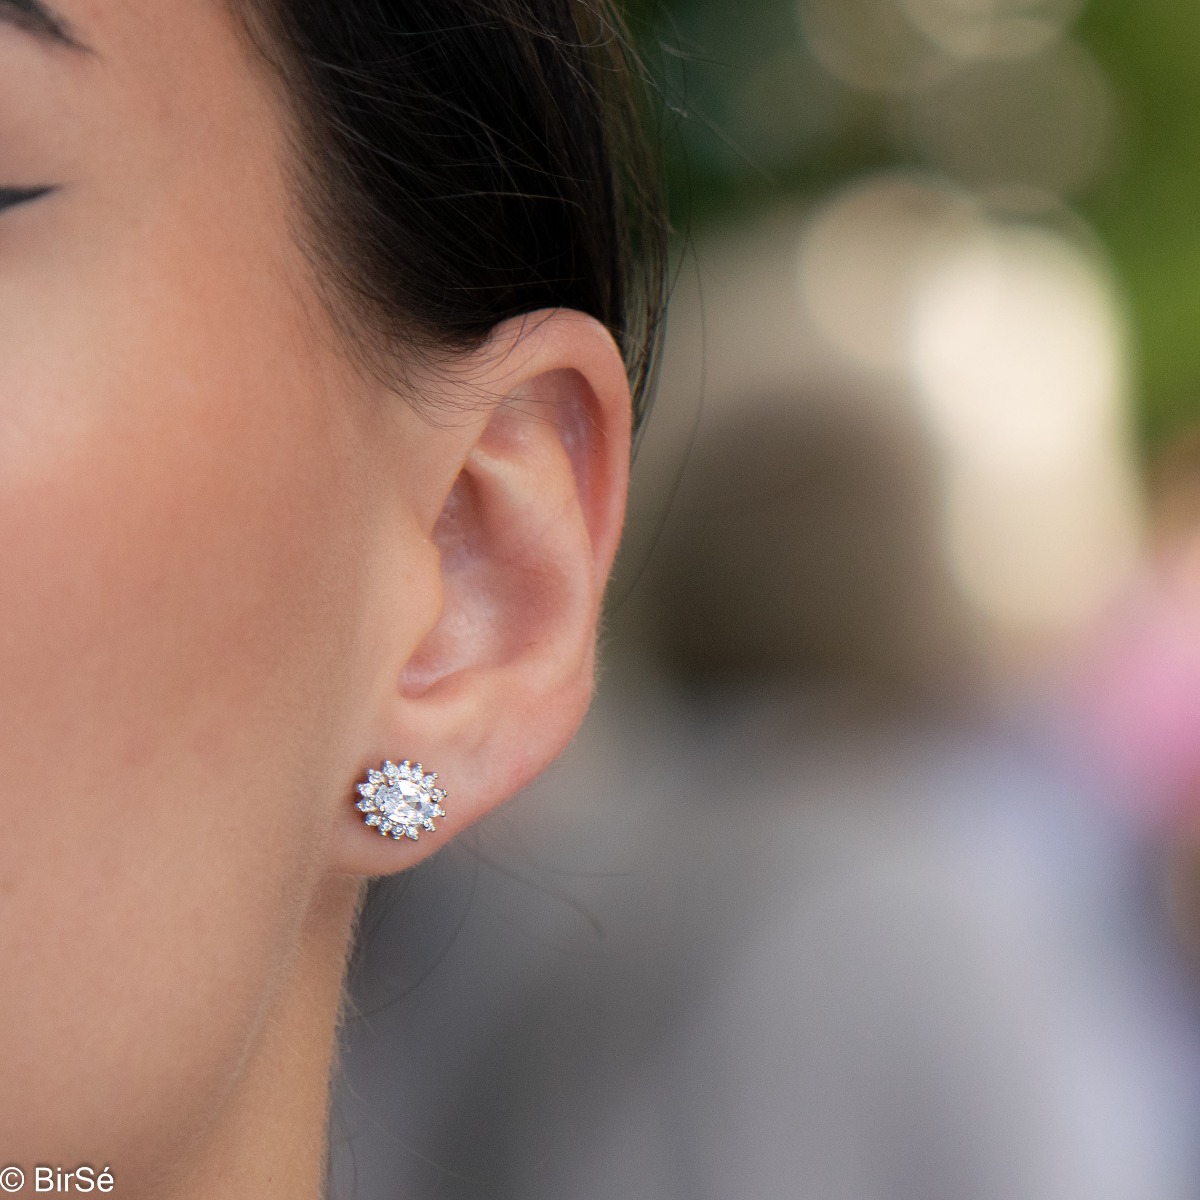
column 269, row 1140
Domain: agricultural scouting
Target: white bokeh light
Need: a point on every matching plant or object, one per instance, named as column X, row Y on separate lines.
column 863, row 254
column 872, row 45
column 1009, row 339
column 972, row 29
column 1018, row 357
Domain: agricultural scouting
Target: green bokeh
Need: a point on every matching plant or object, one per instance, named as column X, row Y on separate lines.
column 1148, row 209
column 754, row 120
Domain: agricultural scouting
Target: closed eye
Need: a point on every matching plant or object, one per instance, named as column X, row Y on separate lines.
column 10, row 197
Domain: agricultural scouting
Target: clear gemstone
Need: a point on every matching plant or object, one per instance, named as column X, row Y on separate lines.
column 400, row 800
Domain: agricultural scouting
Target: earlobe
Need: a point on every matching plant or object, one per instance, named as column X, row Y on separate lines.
column 525, row 540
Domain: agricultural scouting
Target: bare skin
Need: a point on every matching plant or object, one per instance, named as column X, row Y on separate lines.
column 233, row 574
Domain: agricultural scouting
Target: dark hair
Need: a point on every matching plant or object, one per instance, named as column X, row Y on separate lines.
column 467, row 161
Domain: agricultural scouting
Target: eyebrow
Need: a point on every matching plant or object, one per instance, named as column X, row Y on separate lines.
column 36, row 17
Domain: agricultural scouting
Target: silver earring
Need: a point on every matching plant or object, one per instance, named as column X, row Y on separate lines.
column 401, row 800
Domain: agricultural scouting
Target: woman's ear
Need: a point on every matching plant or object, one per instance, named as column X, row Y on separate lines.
column 525, row 541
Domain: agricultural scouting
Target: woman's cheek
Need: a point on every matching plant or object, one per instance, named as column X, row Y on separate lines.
column 176, row 653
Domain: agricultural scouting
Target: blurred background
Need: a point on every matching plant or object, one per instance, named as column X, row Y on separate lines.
column 873, row 874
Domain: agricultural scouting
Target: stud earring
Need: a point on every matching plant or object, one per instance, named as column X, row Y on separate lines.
column 401, row 800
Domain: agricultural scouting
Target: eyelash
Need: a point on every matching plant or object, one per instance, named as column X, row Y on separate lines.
column 10, row 197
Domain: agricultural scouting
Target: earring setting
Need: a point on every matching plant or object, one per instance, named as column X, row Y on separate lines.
column 401, row 800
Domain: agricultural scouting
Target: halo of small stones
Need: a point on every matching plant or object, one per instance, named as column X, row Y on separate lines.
column 401, row 800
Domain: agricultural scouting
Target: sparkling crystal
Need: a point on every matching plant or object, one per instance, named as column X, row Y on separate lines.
column 396, row 801
column 400, row 800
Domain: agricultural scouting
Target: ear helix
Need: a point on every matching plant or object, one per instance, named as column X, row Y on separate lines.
column 400, row 801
